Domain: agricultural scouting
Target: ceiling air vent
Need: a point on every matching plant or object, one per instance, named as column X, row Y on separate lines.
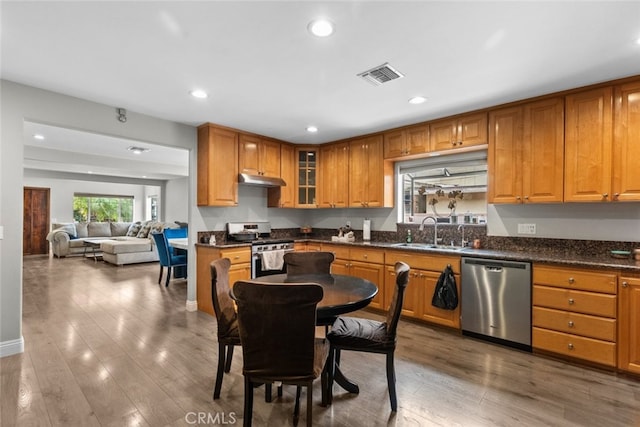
column 381, row 74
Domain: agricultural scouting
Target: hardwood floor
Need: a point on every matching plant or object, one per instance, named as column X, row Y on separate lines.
column 108, row 346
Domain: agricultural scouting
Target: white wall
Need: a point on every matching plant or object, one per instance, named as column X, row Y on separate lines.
column 19, row 103
column 175, row 205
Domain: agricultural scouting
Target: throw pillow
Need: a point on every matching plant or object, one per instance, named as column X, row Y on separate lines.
column 134, row 229
column 70, row 229
column 82, row 229
column 144, row 229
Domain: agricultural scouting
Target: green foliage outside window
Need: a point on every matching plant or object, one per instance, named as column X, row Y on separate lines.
column 102, row 208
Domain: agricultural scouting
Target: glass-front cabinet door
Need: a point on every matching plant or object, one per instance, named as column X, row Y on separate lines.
column 307, row 163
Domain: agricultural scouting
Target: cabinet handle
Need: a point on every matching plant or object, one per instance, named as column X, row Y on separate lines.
column 571, row 301
column 526, row 197
column 365, row 256
column 518, row 198
column 570, row 346
column 605, row 195
column 236, row 257
column 625, row 284
column 571, row 323
column 571, row 280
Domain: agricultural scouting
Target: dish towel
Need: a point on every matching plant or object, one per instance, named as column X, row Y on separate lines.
column 273, row 260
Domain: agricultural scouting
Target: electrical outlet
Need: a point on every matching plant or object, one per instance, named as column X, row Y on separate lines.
column 348, row 223
column 526, row 229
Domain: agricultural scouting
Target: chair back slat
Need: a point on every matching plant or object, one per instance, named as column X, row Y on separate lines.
column 162, row 248
column 308, row 262
column 223, row 305
column 395, row 309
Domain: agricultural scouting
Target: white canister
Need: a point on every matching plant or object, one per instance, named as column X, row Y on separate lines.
column 366, row 230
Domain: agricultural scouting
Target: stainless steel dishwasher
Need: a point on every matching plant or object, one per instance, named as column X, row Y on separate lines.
column 496, row 301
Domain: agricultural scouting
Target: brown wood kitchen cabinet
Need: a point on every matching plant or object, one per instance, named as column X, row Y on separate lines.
column 285, row 196
column 575, row 313
column 457, row 132
column 259, row 156
column 367, row 263
column 217, row 166
column 629, row 324
column 425, row 271
column 406, row 142
column 370, row 177
column 333, row 176
column 526, row 153
column 240, row 270
column 626, row 149
column 306, row 177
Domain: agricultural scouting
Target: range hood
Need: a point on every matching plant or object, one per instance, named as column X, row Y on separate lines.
column 261, row 181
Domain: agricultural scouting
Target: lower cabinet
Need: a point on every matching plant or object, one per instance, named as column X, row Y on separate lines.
column 366, row 263
column 423, row 277
column 240, row 270
column 575, row 313
column 629, row 324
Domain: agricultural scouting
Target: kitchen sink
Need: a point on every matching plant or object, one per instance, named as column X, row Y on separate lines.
column 429, row 246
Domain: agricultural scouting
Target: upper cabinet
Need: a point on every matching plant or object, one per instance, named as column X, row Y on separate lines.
column 405, row 142
column 626, row 142
column 307, row 162
column 526, row 152
column 285, row 196
column 259, row 156
column 458, row 132
column 370, row 177
column 217, row 166
column 588, row 146
column 333, row 176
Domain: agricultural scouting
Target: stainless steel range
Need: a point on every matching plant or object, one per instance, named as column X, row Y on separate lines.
column 266, row 252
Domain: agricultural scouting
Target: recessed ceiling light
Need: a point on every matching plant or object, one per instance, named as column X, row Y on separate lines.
column 138, row 150
column 312, row 129
column 321, row 27
column 38, row 136
column 417, row 100
column 197, row 93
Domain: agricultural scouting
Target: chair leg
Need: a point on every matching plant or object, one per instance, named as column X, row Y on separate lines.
column 296, row 408
column 391, row 382
column 168, row 276
column 160, row 277
column 310, row 404
column 220, row 373
column 331, row 370
column 248, row 402
column 229, row 358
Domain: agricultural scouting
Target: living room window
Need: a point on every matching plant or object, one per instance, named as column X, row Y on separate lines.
column 101, row 207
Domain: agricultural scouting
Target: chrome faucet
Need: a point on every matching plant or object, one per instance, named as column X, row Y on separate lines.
column 463, row 242
column 435, row 228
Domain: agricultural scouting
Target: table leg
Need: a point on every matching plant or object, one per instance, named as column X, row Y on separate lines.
column 345, row 382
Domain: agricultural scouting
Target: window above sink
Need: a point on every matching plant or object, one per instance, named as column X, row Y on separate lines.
column 452, row 188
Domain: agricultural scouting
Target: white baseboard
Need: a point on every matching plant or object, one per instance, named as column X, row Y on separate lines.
column 9, row 348
column 192, row 305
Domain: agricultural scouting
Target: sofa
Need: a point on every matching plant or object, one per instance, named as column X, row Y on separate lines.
column 120, row 242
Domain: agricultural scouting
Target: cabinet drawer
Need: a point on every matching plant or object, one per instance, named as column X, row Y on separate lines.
column 590, row 349
column 237, row 256
column 573, row 323
column 585, row 280
column 313, row 247
column 575, row 301
column 367, row 255
column 341, row 252
column 423, row 262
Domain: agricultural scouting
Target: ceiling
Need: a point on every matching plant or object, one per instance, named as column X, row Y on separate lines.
column 265, row 73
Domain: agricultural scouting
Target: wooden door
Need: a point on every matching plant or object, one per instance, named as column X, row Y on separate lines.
column 35, row 221
column 217, row 166
column 472, row 130
column 327, row 176
column 358, row 174
column 374, row 171
column 270, row 158
column 428, row 312
column 284, row 197
column 543, row 151
column 629, row 324
column 505, row 156
column 417, row 140
column 588, row 146
column 626, row 149
column 249, row 154
column 394, row 144
column 442, row 134
column 375, row 274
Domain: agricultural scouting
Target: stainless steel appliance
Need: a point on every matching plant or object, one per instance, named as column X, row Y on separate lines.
column 262, row 244
column 496, row 301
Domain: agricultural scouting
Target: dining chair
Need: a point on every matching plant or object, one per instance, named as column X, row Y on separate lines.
column 227, row 319
column 277, row 330
column 166, row 256
column 371, row 336
column 308, row 262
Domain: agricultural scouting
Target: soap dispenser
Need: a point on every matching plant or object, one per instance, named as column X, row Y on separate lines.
column 409, row 238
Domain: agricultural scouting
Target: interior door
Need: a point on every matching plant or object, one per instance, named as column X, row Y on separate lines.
column 35, row 221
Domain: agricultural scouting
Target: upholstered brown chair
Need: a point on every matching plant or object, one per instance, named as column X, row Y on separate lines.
column 356, row 334
column 225, row 310
column 308, row 262
column 277, row 329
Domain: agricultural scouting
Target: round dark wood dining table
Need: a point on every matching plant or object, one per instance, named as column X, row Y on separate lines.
column 342, row 293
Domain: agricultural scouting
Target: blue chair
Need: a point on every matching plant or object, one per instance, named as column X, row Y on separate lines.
column 166, row 254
